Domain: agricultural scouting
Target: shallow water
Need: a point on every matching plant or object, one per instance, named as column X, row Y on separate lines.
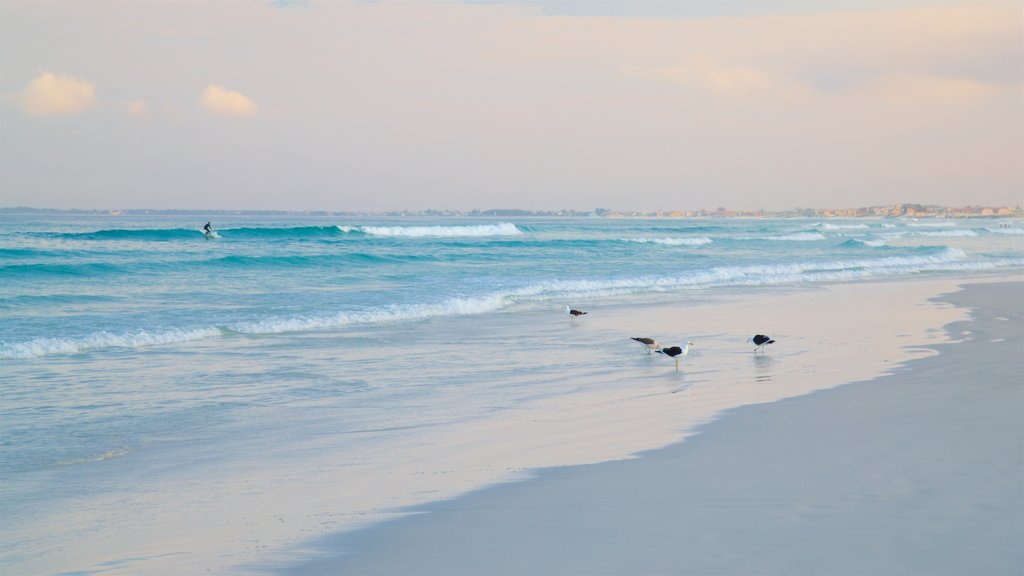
column 174, row 402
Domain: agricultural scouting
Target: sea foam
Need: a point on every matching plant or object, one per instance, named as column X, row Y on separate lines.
column 795, row 237
column 671, row 241
column 142, row 338
column 450, row 307
column 828, row 226
column 1008, row 230
column 949, row 233
column 501, row 229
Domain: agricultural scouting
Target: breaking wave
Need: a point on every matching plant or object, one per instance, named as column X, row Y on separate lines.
column 828, row 226
column 671, row 241
column 501, row 229
column 874, row 243
column 950, row 233
column 99, row 340
column 935, row 260
column 795, row 237
column 312, row 232
column 1008, row 230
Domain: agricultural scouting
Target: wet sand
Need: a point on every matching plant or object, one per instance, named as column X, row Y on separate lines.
column 920, row 471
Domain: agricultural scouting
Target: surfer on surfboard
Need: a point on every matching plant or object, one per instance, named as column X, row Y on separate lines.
column 209, row 232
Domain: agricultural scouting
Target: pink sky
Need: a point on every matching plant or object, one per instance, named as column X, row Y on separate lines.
column 390, row 106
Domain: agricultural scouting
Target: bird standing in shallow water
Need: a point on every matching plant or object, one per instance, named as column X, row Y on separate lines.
column 760, row 341
column 573, row 312
column 676, row 352
column 649, row 344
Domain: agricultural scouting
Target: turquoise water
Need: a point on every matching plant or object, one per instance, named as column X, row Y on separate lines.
column 141, row 364
column 92, row 283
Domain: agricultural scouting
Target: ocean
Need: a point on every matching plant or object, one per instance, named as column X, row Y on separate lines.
column 175, row 403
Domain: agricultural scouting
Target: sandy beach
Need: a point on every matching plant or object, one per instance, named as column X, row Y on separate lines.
column 915, row 471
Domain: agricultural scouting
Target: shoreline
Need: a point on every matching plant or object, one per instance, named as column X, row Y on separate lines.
column 587, row 395
column 865, row 475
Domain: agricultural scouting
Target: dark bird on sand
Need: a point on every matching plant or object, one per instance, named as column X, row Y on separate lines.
column 760, row 341
column 676, row 352
column 649, row 344
column 574, row 312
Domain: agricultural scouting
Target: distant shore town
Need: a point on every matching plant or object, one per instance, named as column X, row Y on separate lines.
column 889, row 211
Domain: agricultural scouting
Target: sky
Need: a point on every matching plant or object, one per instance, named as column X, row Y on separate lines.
column 382, row 106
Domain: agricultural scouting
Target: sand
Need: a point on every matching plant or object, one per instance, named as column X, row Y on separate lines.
column 919, row 470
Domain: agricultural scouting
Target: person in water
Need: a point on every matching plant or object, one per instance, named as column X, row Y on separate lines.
column 207, row 228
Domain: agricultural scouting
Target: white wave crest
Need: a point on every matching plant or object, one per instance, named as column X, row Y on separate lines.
column 767, row 275
column 560, row 290
column 501, row 229
column 1011, row 231
column 799, row 237
column 450, row 307
column 950, row 233
column 49, row 346
column 948, row 259
column 108, row 455
column 671, row 241
column 827, row 226
column 873, row 243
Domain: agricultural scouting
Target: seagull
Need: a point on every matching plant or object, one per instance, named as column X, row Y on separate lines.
column 760, row 341
column 573, row 312
column 648, row 343
column 676, row 352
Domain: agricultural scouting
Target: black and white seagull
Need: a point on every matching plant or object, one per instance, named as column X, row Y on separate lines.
column 574, row 312
column 760, row 341
column 650, row 344
column 676, row 352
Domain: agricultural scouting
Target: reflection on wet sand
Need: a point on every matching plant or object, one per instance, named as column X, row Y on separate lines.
column 764, row 369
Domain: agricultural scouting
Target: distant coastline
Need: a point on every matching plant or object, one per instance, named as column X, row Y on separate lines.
column 887, row 211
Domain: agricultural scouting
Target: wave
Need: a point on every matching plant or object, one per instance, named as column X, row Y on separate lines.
column 961, row 233
column 139, row 339
column 1011, row 231
column 450, row 307
column 827, row 226
column 795, row 237
column 766, row 275
column 29, row 300
column 170, row 234
column 119, row 452
column 501, row 229
column 858, row 242
column 290, row 232
column 156, row 235
column 928, row 260
column 23, row 252
column 305, row 261
column 73, row 270
column 671, row 241
column 233, row 262
column 683, row 228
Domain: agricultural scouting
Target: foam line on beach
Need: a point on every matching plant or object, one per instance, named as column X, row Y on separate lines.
column 101, row 340
column 945, row 259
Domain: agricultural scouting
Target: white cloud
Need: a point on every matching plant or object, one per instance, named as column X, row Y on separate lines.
column 219, row 100
column 53, row 95
column 137, row 108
